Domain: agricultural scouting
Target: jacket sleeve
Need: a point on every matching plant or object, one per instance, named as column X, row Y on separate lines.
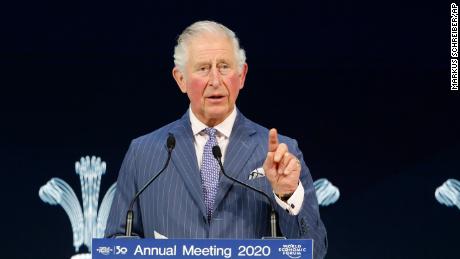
column 307, row 224
column 125, row 191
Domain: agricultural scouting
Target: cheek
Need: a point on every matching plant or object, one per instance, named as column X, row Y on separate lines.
column 234, row 83
column 195, row 88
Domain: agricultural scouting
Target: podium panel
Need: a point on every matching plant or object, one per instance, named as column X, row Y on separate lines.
column 105, row 248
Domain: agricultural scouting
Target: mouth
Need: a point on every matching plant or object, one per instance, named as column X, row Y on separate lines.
column 216, row 97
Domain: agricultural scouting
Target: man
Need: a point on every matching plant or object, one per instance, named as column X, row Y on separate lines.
column 190, row 199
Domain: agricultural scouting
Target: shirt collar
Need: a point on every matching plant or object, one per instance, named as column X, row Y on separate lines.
column 224, row 128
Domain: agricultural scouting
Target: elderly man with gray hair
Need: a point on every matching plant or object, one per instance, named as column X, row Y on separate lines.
column 190, row 199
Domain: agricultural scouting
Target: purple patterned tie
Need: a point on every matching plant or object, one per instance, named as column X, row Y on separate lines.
column 209, row 171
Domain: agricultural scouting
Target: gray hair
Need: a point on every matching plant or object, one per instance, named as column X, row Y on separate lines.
column 200, row 27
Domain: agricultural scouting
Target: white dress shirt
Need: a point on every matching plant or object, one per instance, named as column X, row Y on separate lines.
column 224, row 130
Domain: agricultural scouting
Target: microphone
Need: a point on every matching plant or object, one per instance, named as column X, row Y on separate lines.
column 216, row 152
column 170, row 144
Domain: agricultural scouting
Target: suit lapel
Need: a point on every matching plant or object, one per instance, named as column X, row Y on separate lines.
column 184, row 159
column 240, row 148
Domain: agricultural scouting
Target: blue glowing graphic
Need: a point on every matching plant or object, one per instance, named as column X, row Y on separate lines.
column 326, row 192
column 87, row 223
column 449, row 193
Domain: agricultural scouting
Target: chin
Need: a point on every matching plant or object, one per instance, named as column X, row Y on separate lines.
column 218, row 109
column 218, row 113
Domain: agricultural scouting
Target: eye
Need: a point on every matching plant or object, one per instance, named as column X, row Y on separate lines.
column 223, row 68
column 203, row 68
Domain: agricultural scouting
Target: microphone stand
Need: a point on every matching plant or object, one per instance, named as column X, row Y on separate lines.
column 170, row 143
column 273, row 217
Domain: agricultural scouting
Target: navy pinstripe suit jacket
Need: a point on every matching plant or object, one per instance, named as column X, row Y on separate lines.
column 173, row 205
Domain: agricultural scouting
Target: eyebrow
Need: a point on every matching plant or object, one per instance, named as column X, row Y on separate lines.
column 219, row 61
column 222, row 60
column 203, row 63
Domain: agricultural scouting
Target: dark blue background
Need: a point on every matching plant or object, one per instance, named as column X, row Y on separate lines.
column 363, row 86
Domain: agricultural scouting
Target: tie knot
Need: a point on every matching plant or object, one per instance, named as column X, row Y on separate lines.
column 211, row 132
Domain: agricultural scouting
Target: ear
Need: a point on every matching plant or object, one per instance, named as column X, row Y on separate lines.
column 180, row 79
column 242, row 75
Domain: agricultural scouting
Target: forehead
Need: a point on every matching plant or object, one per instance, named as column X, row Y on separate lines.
column 208, row 46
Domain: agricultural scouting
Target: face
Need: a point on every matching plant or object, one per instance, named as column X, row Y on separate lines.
column 211, row 78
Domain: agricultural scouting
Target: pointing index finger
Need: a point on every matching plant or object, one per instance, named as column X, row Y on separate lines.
column 272, row 140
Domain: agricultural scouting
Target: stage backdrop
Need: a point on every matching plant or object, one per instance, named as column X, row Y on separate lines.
column 364, row 87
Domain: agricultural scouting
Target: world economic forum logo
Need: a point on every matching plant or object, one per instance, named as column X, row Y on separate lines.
column 117, row 250
column 87, row 223
column 293, row 251
column 105, row 250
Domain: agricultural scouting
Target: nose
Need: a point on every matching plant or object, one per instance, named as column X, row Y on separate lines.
column 214, row 77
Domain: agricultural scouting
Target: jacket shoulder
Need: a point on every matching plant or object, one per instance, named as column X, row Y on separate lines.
column 263, row 132
column 158, row 135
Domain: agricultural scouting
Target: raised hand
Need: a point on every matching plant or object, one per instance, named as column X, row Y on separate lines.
column 282, row 168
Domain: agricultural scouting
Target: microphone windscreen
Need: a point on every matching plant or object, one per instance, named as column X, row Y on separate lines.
column 171, row 142
column 216, row 152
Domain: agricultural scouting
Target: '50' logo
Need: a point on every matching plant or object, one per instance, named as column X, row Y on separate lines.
column 120, row 250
